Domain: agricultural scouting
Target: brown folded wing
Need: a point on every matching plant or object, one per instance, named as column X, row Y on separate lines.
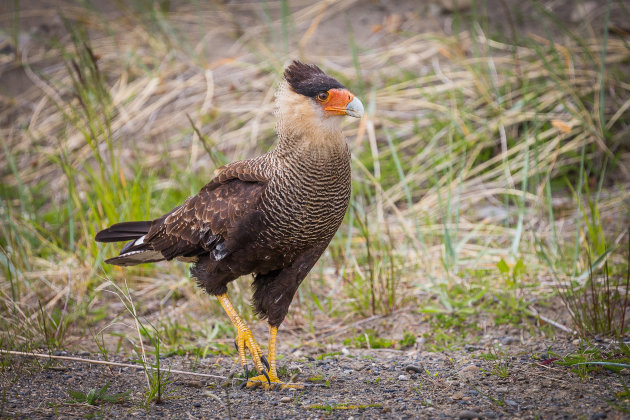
column 206, row 219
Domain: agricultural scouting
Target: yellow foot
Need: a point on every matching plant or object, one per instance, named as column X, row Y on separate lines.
column 272, row 384
column 245, row 339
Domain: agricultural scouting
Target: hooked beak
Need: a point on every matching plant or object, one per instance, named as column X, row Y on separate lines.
column 354, row 108
column 342, row 102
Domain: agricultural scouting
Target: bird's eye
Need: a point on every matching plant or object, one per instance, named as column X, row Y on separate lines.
column 322, row 96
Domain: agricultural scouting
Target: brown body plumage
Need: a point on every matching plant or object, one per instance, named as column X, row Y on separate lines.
column 271, row 216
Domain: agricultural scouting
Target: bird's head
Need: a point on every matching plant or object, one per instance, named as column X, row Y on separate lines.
column 311, row 99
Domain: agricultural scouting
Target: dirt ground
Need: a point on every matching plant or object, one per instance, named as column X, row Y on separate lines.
column 340, row 382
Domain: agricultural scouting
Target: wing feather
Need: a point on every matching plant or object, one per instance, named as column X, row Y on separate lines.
column 206, row 219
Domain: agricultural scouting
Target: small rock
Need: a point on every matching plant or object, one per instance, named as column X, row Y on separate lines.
column 357, row 366
column 512, row 403
column 197, row 404
column 468, row 414
column 508, row 340
column 192, row 383
column 413, row 369
column 458, row 395
column 345, row 351
column 598, row 416
column 84, row 353
column 501, row 389
column 403, row 378
column 285, row 399
column 60, row 353
column 470, row 368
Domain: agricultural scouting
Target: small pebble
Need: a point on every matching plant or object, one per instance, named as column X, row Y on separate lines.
column 469, row 415
column 501, row 389
column 509, row 340
column 285, row 399
column 403, row 378
column 412, row 368
column 192, row 383
column 457, row 396
column 512, row 403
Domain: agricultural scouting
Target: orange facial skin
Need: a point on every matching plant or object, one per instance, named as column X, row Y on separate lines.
column 336, row 101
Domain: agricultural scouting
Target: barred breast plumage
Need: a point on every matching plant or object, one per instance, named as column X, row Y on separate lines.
column 306, row 199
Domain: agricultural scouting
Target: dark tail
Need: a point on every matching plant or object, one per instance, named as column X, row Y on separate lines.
column 134, row 252
column 125, row 231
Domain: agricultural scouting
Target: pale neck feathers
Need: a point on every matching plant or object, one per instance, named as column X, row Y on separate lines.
column 302, row 126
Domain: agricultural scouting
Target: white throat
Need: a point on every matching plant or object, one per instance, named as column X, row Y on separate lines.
column 302, row 118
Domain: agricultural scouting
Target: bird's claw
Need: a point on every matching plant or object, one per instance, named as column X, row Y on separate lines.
column 270, row 382
column 263, row 359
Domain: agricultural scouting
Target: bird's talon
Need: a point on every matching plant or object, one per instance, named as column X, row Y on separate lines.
column 263, row 359
column 270, row 382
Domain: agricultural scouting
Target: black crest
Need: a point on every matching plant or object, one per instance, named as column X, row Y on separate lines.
column 308, row 79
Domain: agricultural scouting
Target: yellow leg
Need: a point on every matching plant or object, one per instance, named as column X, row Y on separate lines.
column 273, row 380
column 244, row 337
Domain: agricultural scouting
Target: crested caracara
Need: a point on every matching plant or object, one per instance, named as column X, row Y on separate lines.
column 271, row 216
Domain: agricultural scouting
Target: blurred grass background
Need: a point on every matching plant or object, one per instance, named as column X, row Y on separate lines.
column 491, row 173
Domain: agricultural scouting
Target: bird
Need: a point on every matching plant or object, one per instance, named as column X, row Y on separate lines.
column 270, row 216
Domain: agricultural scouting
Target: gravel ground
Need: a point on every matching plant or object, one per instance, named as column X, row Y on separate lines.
column 358, row 383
